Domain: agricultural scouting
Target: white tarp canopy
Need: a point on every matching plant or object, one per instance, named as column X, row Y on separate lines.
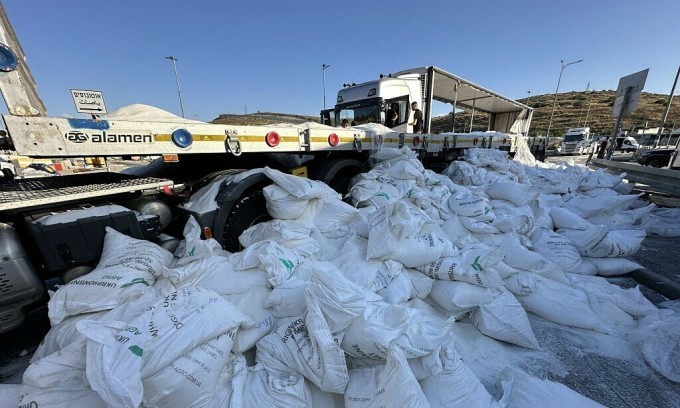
column 507, row 115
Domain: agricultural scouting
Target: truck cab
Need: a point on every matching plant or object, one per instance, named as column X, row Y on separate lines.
column 370, row 102
column 577, row 141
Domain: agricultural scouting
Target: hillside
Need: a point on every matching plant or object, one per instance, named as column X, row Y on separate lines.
column 572, row 110
column 576, row 109
column 262, row 118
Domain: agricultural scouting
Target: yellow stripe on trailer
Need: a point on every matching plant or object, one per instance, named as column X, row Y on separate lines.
column 316, row 139
column 222, row 138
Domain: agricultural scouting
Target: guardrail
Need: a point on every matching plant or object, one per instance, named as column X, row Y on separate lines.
column 662, row 180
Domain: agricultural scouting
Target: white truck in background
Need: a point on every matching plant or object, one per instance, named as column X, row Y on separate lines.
column 370, row 101
column 197, row 157
column 577, row 141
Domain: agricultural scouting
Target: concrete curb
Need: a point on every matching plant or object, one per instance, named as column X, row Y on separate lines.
column 657, row 282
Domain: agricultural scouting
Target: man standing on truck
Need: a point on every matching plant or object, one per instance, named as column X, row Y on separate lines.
column 417, row 118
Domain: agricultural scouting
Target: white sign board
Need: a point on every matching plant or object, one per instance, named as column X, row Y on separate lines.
column 91, row 102
column 636, row 82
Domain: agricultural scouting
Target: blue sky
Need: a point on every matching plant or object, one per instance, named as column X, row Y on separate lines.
column 267, row 55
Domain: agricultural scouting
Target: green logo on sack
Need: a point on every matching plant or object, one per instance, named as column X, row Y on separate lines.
column 410, row 193
column 192, row 252
column 476, row 266
column 383, row 195
column 288, row 264
column 135, row 281
column 486, row 210
column 136, row 350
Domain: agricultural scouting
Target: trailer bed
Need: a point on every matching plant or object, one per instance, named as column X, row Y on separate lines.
column 36, row 192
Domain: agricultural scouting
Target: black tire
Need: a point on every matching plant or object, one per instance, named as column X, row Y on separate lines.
column 249, row 210
column 654, row 162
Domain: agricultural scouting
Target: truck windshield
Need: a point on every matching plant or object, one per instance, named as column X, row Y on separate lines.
column 573, row 138
column 359, row 115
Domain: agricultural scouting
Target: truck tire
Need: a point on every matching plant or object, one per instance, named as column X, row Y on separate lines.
column 337, row 174
column 249, row 210
column 654, row 162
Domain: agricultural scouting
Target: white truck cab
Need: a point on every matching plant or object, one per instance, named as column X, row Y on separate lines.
column 369, row 102
column 577, row 141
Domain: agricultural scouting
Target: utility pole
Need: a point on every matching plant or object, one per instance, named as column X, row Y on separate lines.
column 179, row 93
column 556, row 90
column 323, row 70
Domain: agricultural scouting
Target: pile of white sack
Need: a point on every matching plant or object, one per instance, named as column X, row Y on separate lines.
column 331, row 304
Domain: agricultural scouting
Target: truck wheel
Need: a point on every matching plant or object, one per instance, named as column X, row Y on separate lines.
column 249, row 210
column 654, row 162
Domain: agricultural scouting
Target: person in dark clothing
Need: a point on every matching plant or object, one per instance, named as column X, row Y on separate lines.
column 417, row 118
column 602, row 149
column 391, row 117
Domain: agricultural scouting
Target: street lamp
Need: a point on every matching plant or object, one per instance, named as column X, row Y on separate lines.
column 556, row 90
column 179, row 93
column 323, row 69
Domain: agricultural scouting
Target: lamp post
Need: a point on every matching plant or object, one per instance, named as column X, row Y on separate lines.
column 556, row 90
column 323, row 69
column 179, row 93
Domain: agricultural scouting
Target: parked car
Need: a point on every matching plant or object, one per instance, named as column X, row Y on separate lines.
column 655, row 157
column 626, row 144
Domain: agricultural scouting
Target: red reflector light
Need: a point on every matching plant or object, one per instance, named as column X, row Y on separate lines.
column 474, row 141
column 272, row 139
column 333, row 139
column 416, row 140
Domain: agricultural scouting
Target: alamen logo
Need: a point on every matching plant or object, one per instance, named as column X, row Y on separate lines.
column 80, row 137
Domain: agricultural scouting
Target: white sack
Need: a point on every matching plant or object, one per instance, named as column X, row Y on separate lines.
column 300, row 187
column 118, row 360
column 474, row 264
column 598, row 242
column 561, row 304
column 469, row 205
column 460, row 297
column 557, row 248
column 564, row 218
column 306, row 345
column 122, row 250
column 263, row 388
column 516, row 193
column 370, row 335
column 102, row 289
column 660, row 337
column 631, row 301
column 193, row 247
column 292, row 234
column 340, row 300
column 59, row 380
column 219, row 274
column 454, row 385
column 612, row 266
column 389, row 385
column 282, row 205
column 191, row 380
column 587, row 206
column 504, row 319
column 523, row 390
column 252, row 305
